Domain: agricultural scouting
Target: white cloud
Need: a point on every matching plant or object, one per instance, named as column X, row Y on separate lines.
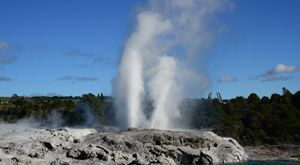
column 253, row 77
column 8, row 59
column 36, row 94
column 86, row 79
column 98, row 60
column 4, row 45
column 4, row 78
column 227, row 79
column 6, row 55
column 77, row 52
column 276, row 78
column 51, row 94
column 77, row 78
column 66, row 78
column 280, row 68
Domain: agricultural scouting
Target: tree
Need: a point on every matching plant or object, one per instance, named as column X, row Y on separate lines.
column 27, row 110
column 14, row 98
column 240, row 105
column 78, row 117
column 69, row 107
column 57, row 104
column 265, row 100
column 287, row 96
column 296, row 100
column 95, row 104
column 284, row 90
column 276, row 98
column 253, row 99
column 102, row 97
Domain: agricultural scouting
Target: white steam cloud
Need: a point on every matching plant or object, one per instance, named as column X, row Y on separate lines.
column 165, row 92
column 157, row 59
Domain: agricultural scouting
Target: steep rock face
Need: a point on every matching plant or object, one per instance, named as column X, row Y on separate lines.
column 135, row 146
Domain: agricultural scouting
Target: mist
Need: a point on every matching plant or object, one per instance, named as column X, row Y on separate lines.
column 55, row 119
column 159, row 57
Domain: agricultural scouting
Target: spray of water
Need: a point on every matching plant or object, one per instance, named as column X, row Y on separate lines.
column 157, row 59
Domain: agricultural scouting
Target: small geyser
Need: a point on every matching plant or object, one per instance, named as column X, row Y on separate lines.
column 158, row 60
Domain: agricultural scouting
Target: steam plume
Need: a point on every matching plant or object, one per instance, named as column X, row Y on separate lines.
column 168, row 35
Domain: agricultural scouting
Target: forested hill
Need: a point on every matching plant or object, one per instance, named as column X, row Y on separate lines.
column 251, row 120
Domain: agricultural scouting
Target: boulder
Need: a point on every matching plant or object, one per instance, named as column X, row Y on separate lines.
column 225, row 151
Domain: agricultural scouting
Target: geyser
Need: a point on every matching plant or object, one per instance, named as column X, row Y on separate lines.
column 158, row 58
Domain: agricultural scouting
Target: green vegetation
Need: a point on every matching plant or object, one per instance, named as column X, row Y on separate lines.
column 253, row 121
column 67, row 111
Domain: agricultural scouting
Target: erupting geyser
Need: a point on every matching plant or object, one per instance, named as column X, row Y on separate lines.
column 167, row 36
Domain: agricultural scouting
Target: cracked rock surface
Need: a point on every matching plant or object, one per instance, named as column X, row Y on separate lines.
column 135, row 146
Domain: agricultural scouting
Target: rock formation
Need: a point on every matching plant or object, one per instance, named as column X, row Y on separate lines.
column 135, row 146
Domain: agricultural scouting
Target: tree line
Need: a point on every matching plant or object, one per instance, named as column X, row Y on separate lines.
column 252, row 120
column 71, row 112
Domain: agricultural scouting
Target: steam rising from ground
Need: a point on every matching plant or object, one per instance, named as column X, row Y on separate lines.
column 54, row 119
column 157, row 58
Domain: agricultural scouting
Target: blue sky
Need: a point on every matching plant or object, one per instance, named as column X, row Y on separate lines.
column 73, row 47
